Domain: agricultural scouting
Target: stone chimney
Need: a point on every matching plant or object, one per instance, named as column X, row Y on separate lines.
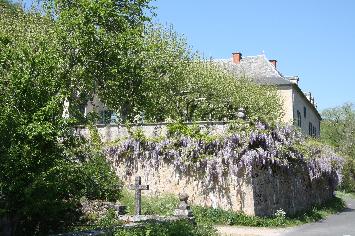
column 237, row 57
column 274, row 62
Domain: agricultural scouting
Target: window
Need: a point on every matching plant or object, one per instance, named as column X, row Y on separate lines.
column 304, row 112
column 310, row 128
column 105, row 117
column 314, row 131
column 299, row 118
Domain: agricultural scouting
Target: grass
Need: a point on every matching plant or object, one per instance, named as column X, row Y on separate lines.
column 178, row 228
column 344, row 195
column 207, row 217
column 222, row 217
column 165, row 206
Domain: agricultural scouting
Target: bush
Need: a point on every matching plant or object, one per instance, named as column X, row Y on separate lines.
column 338, row 130
column 348, row 183
column 101, row 182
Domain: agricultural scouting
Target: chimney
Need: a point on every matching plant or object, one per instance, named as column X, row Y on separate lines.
column 273, row 62
column 237, row 57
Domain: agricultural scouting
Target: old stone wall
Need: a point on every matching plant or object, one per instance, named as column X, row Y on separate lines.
column 233, row 194
column 261, row 191
column 113, row 132
column 288, row 189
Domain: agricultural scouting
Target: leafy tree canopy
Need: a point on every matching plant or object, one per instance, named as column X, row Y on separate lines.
column 48, row 59
column 338, row 130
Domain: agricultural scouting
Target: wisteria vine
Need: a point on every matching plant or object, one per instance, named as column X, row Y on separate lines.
column 230, row 153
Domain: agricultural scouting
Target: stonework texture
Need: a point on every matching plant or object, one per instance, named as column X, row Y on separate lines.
column 261, row 191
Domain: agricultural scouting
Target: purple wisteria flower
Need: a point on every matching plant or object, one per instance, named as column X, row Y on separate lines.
column 226, row 155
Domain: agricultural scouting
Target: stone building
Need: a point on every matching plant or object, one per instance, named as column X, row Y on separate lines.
column 299, row 107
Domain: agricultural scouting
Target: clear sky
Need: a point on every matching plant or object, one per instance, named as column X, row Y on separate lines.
column 314, row 39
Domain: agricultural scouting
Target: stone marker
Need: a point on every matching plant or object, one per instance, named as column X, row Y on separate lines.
column 138, row 195
column 184, row 210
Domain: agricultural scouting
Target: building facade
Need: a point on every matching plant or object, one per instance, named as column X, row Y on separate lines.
column 299, row 108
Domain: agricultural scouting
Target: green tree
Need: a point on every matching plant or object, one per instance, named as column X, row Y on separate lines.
column 174, row 82
column 338, row 130
column 62, row 54
column 9, row 5
column 102, row 42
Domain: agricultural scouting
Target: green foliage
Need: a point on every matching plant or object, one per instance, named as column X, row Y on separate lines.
column 215, row 94
column 219, row 216
column 311, row 148
column 101, row 182
column 95, row 136
column 109, row 220
column 180, row 129
column 344, row 195
column 177, row 228
column 163, row 205
column 338, row 130
column 137, row 134
column 9, row 6
column 46, row 59
column 171, row 82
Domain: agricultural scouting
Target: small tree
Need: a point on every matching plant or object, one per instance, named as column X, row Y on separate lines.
column 338, row 130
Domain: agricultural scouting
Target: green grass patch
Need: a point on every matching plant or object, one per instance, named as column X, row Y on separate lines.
column 163, row 205
column 177, row 228
column 207, row 217
column 222, row 217
column 344, row 195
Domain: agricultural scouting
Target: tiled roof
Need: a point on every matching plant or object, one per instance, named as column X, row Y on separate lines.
column 257, row 68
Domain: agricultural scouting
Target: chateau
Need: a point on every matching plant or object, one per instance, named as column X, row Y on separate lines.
column 299, row 108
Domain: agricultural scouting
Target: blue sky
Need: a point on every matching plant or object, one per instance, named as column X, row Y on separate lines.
column 314, row 39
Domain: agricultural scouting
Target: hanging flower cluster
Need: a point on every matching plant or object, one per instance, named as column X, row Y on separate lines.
column 226, row 155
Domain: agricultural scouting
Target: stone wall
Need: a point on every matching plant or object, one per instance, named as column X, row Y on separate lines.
column 289, row 189
column 112, row 132
column 234, row 194
column 261, row 191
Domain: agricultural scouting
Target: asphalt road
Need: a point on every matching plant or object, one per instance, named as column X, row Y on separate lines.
column 342, row 224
